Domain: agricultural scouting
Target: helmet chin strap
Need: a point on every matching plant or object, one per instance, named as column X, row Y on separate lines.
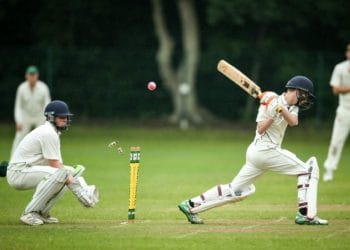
column 298, row 97
column 303, row 100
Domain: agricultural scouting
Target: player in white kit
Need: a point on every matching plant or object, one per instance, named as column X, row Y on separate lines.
column 31, row 98
column 340, row 82
column 265, row 154
column 37, row 163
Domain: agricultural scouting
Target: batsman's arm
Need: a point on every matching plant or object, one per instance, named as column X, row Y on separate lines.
column 275, row 107
column 262, row 126
column 290, row 118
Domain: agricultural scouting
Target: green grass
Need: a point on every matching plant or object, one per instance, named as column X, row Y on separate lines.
column 174, row 166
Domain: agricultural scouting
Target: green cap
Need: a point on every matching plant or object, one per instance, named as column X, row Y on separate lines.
column 32, row 70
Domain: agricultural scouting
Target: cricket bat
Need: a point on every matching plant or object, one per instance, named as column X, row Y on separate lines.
column 239, row 78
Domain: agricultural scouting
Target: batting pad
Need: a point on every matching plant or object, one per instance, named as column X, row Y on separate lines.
column 313, row 186
column 223, row 196
column 87, row 195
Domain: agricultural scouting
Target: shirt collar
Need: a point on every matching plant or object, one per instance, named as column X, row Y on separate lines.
column 36, row 84
column 47, row 123
column 283, row 100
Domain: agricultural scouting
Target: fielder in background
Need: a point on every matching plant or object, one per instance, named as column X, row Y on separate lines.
column 340, row 83
column 37, row 163
column 265, row 154
column 31, row 98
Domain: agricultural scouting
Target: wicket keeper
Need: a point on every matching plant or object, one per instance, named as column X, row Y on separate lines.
column 37, row 163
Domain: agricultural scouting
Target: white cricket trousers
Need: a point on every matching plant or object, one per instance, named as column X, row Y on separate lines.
column 341, row 128
column 23, row 177
column 27, row 125
column 260, row 159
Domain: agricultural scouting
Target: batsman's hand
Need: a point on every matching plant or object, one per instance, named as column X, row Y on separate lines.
column 274, row 108
column 267, row 97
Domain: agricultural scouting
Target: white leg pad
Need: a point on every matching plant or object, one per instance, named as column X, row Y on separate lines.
column 221, row 195
column 307, row 188
column 87, row 195
column 313, row 185
column 46, row 190
column 76, row 172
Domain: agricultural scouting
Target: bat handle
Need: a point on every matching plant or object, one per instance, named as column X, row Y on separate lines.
column 256, row 93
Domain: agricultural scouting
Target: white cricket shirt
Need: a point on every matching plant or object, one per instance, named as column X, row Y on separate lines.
column 274, row 135
column 341, row 77
column 39, row 146
column 30, row 103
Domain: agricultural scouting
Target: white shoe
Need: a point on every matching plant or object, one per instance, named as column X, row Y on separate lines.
column 93, row 194
column 303, row 220
column 48, row 219
column 328, row 175
column 32, row 219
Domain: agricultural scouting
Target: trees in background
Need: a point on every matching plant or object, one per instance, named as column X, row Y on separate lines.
column 275, row 39
column 105, row 52
column 180, row 79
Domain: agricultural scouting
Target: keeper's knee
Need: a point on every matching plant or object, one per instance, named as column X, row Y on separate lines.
column 76, row 170
column 60, row 175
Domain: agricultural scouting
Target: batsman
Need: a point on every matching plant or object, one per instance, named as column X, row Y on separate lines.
column 264, row 154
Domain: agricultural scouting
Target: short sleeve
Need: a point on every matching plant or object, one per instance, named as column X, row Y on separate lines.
column 262, row 114
column 294, row 110
column 50, row 146
column 336, row 76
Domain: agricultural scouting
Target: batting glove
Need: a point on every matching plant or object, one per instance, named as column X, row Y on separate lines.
column 274, row 108
column 267, row 97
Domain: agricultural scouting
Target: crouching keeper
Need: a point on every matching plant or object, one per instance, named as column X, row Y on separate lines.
column 37, row 163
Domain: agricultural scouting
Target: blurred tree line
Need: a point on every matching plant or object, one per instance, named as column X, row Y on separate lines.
column 99, row 55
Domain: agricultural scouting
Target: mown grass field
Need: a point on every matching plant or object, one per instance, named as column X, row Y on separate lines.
column 174, row 166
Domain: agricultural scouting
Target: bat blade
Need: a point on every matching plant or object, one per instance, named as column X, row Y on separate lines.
column 239, row 78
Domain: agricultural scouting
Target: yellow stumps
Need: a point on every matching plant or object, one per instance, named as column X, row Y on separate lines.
column 134, row 168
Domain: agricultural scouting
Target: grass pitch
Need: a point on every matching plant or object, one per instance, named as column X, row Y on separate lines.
column 174, row 166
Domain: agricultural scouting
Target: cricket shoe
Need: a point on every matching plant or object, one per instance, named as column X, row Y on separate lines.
column 303, row 220
column 48, row 219
column 186, row 209
column 31, row 219
column 93, row 194
column 328, row 175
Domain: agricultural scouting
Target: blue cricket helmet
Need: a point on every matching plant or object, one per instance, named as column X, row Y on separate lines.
column 306, row 96
column 302, row 83
column 58, row 108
